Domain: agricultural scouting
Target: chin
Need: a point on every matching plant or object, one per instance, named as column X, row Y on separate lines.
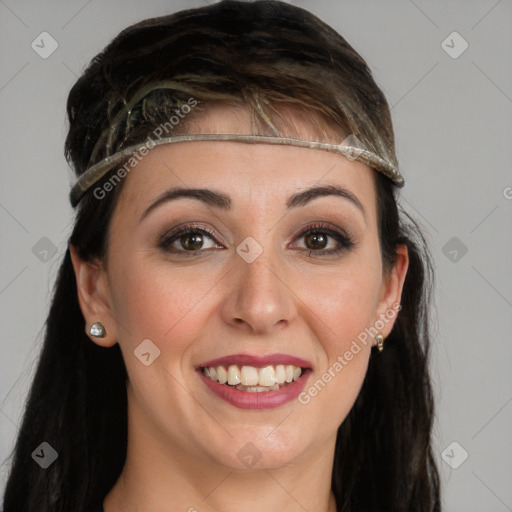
column 263, row 448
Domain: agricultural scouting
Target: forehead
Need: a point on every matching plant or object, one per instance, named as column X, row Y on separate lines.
column 261, row 173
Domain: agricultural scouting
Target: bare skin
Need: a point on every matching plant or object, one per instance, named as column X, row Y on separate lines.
column 184, row 440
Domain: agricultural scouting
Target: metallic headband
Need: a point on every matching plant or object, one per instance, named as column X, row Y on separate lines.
column 352, row 152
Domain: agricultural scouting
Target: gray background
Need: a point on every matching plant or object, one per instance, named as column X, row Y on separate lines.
column 453, row 127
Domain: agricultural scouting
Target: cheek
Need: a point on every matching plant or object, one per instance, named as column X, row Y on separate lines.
column 344, row 301
column 342, row 306
column 343, row 317
column 159, row 301
column 168, row 306
column 344, row 312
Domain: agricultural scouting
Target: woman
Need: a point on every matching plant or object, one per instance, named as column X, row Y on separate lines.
column 242, row 317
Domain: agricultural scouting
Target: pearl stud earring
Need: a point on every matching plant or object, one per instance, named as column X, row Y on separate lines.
column 97, row 330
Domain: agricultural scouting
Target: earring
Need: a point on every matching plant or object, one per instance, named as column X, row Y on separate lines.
column 380, row 342
column 97, row 330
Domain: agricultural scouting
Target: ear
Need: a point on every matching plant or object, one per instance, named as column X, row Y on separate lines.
column 94, row 297
column 391, row 293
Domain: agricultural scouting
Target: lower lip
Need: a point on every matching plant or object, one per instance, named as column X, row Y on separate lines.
column 255, row 400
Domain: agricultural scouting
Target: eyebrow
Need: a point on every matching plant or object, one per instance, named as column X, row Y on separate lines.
column 220, row 200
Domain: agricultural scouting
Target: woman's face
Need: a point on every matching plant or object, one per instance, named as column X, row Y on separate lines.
column 256, row 286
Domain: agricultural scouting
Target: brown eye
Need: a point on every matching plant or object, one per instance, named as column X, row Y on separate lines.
column 193, row 241
column 315, row 241
column 189, row 239
column 319, row 237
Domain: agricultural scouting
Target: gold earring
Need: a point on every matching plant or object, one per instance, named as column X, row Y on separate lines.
column 380, row 342
column 97, row 330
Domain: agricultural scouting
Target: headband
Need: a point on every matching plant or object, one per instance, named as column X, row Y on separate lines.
column 98, row 170
column 153, row 97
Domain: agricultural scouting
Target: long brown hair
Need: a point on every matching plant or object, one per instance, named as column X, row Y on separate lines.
column 262, row 55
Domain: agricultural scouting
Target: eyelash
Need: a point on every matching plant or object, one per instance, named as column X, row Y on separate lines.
column 346, row 242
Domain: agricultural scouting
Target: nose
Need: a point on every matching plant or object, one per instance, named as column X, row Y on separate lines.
column 258, row 300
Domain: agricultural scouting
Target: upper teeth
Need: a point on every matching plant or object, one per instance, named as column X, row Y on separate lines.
column 252, row 376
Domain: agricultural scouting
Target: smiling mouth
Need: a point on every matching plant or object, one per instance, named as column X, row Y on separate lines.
column 254, row 379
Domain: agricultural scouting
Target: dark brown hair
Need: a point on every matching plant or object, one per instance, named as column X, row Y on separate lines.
column 264, row 55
